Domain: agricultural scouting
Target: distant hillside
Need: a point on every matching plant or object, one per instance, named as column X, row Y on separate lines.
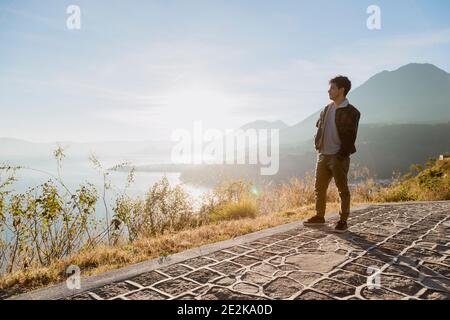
column 261, row 124
column 13, row 149
column 383, row 149
column 414, row 93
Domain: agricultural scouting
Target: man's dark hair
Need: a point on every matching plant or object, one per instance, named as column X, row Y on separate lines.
column 342, row 82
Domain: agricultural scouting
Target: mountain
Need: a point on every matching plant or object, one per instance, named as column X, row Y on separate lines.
column 405, row 119
column 383, row 149
column 415, row 93
column 261, row 124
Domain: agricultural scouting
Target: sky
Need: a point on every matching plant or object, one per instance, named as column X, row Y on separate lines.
column 138, row 70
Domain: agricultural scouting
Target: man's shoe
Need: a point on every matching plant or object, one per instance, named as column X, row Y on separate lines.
column 315, row 221
column 341, row 226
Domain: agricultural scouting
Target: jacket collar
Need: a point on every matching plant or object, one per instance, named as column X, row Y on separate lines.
column 343, row 104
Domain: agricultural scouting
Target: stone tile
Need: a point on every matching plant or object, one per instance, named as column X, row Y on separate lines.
column 311, row 245
column 276, row 260
column 220, row 255
column 301, row 238
column 288, row 243
column 146, row 294
column 245, row 260
column 238, row 249
column 356, row 268
column 438, row 284
column 198, row 262
column 335, row 288
column 82, row 296
column 176, row 286
column 202, row 275
column 282, row 288
column 115, row 289
column 225, row 281
column 218, row 293
column 400, row 284
column 186, row 297
column 379, row 294
column 435, row 295
column 435, row 269
column 313, row 295
column 264, row 269
column 304, row 278
column 277, row 249
column 255, row 245
column 260, row 254
column 201, row 290
column 349, row 278
column 255, row 278
column 282, row 236
column 226, row 267
column 287, row 267
column 403, row 270
column 369, row 262
column 442, row 249
column 316, row 234
column 315, row 262
column 376, row 255
column 268, row 240
column 148, row 278
column 246, row 288
column 425, row 254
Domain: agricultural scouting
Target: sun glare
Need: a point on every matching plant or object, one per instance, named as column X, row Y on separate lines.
column 210, row 106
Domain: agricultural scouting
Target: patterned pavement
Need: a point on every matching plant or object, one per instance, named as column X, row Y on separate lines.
column 394, row 251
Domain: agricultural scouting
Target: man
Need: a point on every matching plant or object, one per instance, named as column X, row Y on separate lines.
column 337, row 129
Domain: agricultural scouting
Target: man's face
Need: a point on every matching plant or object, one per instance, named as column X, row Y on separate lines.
column 334, row 92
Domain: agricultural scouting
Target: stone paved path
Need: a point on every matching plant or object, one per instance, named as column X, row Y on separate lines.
column 405, row 247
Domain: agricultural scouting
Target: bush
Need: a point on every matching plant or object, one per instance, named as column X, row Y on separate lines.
column 164, row 208
column 430, row 184
column 44, row 224
column 245, row 208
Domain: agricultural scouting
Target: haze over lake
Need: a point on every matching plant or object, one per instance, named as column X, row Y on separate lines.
column 78, row 169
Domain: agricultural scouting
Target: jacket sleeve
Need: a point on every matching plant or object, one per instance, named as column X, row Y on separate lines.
column 320, row 118
column 349, row 136
column 318, row 135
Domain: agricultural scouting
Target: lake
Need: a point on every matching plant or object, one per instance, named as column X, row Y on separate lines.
column 79, row 170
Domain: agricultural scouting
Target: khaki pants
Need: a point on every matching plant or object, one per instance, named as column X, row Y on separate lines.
column 327, row 167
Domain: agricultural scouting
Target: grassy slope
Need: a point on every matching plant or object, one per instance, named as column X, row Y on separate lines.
column 104, row 258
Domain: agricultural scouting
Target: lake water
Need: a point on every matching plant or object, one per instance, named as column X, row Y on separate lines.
column 80, row 170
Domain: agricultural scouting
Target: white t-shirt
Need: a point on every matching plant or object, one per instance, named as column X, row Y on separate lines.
column 331, row 141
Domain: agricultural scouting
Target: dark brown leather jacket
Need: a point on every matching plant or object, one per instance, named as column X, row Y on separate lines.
column 347, row 121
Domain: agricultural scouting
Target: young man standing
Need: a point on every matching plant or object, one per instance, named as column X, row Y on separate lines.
column 337, row 129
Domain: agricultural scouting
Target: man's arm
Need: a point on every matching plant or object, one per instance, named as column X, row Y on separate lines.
column 349, row 136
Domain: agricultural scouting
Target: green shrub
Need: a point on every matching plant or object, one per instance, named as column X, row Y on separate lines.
column 163, row 208
column 432, row 183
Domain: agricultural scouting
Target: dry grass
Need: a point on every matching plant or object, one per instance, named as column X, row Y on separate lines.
column 245, row 208
column 105, row 258
column 233, row 209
